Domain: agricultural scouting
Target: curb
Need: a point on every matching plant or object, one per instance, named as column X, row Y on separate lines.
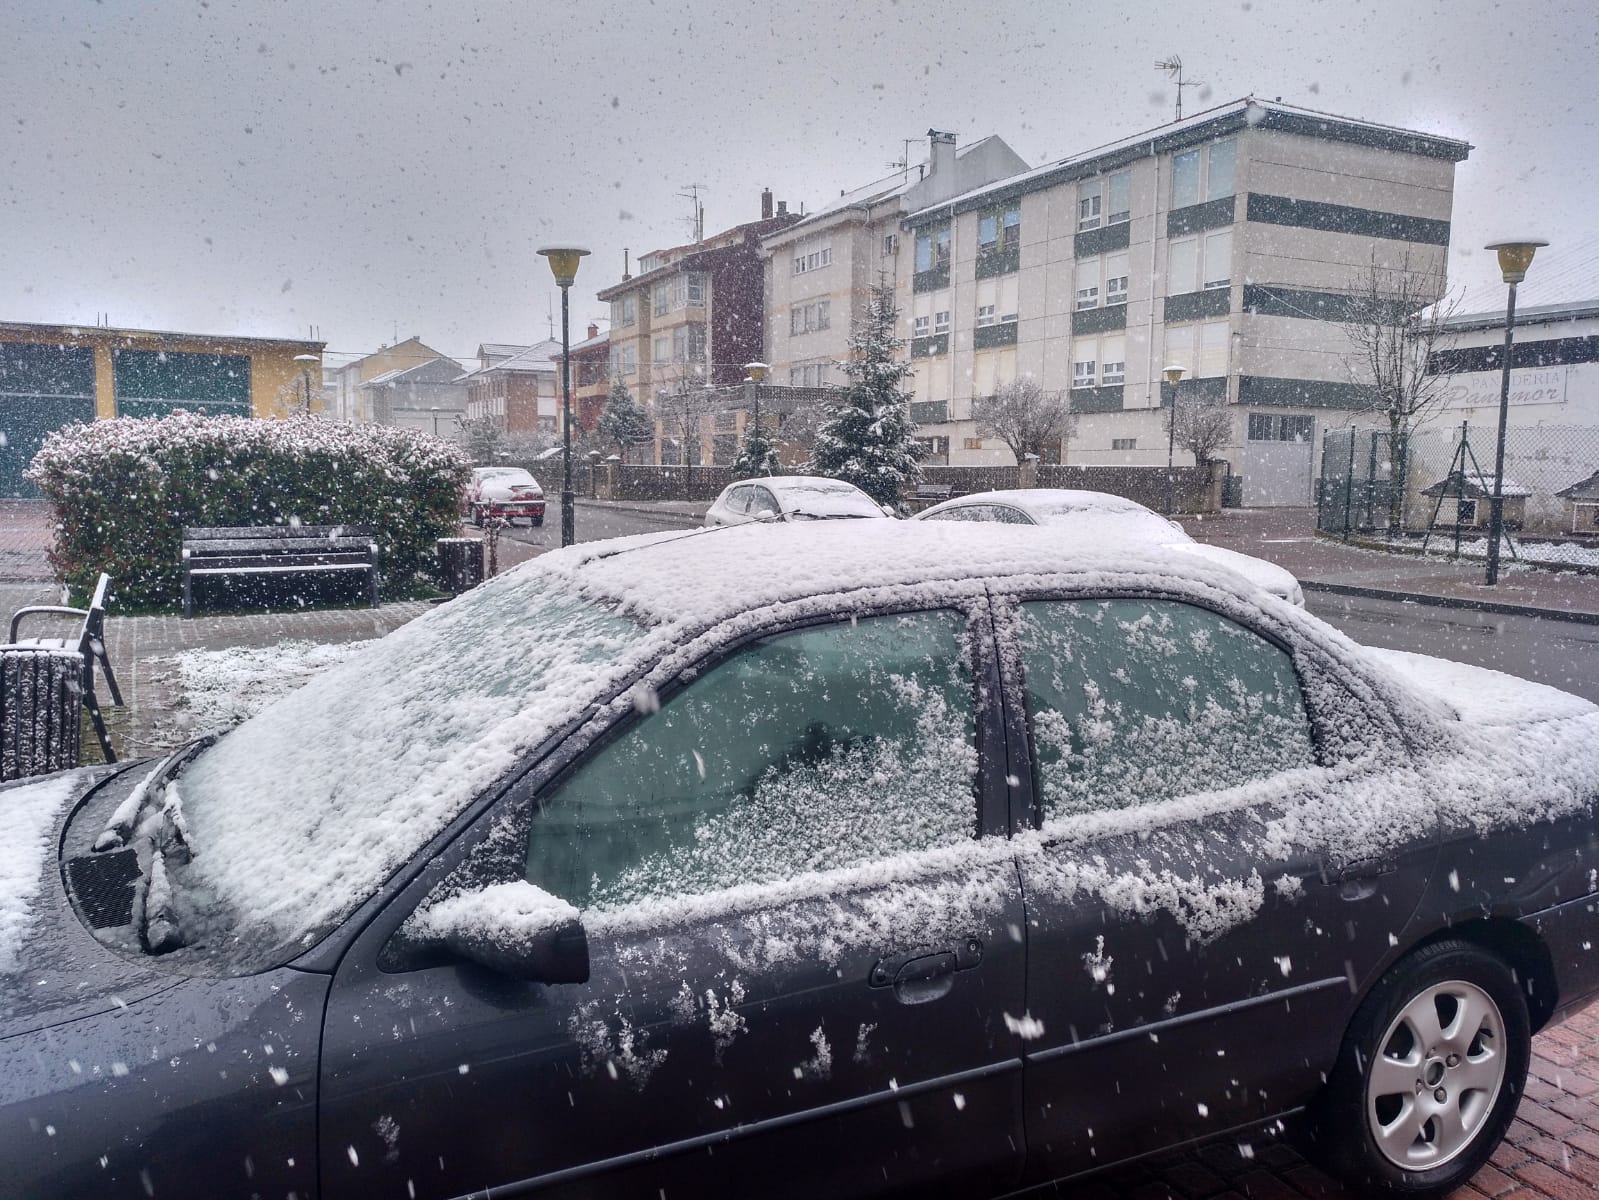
column 1488, row 606
column 643, row 510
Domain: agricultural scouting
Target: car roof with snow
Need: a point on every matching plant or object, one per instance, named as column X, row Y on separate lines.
column 1047, row 502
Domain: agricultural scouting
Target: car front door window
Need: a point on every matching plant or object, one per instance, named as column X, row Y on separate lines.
column 763, row 503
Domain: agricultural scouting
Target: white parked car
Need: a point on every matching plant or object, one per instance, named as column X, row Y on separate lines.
column 792, row 498
column 1126, row 521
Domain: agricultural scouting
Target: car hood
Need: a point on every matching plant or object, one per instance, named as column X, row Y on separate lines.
column 1263, row 574
column 51, row 968
column 1478, row 696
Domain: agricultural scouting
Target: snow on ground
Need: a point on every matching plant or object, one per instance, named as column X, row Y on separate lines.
column 216, row 689
column 1570, row 554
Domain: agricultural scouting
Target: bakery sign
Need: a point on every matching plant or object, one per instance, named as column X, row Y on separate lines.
column 1529, row 385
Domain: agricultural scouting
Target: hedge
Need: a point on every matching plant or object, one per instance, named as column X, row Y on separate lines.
column 124, row 489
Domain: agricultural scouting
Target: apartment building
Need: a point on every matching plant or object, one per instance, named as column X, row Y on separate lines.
column 821, row 269
column 349, row 403
column 694, row 314
column 519, row 392
column 591, row 378
column 1223, row 243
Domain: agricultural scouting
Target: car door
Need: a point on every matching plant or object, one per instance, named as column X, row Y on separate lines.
column 731, row 508
column 804, row 930
column 1214, row 877
column 763, row 505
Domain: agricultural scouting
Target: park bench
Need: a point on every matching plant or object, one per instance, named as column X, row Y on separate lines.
column 44, row 679
column 926, row 495
column 274, row 550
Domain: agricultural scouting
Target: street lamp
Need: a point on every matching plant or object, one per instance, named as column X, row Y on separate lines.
column 435, row 411
column 1514, row 259
column 305, row 361
column 563, row 264
column 1174, row 376
column 754, row 375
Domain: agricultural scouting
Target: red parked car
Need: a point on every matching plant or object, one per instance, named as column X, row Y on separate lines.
column 508, row 492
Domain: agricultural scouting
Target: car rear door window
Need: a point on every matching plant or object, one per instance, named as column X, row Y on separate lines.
column 811, row 750
column 1137, row 701
column 738, row 501
column 763, row 503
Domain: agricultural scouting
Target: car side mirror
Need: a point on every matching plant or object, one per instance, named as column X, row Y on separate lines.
column 514, row 929
column 888, row 510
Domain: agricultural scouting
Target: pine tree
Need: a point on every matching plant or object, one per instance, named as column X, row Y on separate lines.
column 623, row 421
column 867, row 437
column 757, row 455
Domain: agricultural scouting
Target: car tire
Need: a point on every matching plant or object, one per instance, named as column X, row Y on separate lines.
column 535, row 522
column 1429, row 1075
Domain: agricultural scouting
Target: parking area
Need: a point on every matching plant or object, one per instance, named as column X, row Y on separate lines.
column 1552, row 1152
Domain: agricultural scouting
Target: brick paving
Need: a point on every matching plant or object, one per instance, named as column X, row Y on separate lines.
column 1552, row 1150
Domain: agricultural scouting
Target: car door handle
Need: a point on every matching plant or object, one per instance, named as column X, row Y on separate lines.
column 927, row 978
column 1358, row 881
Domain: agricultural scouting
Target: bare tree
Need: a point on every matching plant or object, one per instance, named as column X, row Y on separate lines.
column 1202, row 427
column 1025, row 417
column 1395, row 319
column 682, row 413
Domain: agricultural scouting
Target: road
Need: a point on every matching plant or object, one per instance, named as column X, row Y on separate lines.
column 595, row 522
column 1563, row 654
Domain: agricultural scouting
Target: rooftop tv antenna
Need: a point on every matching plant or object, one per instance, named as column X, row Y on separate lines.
column 1173, row 66
column 696, row 220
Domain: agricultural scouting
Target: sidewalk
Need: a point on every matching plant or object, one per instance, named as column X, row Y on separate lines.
column 1287, row 537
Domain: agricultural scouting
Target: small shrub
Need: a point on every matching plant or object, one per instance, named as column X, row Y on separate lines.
column 124, row 489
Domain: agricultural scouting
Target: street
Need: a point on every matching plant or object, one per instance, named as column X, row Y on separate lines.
column 1563, row 654
column 595, row 522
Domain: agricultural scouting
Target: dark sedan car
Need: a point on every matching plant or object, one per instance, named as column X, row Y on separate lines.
column 789, row 861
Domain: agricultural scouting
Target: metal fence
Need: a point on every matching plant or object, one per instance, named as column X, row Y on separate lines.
column 1360, row 476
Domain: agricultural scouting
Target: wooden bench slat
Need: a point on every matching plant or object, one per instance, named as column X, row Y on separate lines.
column 213, row 532
column 276, row 550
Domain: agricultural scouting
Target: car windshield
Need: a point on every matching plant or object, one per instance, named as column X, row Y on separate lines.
column 299, row 813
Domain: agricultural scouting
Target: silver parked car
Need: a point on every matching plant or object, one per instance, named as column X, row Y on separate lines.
column 1132, row 523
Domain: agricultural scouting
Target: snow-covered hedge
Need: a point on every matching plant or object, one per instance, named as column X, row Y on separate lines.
column 124, row 489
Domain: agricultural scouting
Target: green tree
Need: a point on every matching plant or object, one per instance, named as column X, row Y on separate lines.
column 867, row 437
column 623, row 421
column 757, row 453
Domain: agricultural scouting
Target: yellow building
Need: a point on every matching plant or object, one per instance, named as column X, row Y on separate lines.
column 52, row 375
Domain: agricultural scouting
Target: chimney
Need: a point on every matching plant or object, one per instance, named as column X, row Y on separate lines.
column 782, row 208
column 942, row 152
column 766, row 204
column 627, row 268
column 594, row 330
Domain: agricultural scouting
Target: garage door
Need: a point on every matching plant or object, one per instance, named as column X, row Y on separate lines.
column 1278, row 460
column 42, row 388
column 151, row 383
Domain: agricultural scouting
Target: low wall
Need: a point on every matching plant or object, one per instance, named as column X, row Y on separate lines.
column 624, row 481
column 1195, row 489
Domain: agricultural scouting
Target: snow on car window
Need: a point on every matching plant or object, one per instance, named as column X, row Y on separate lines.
column 808, row 751
column 1136, row 701
column 302, row 810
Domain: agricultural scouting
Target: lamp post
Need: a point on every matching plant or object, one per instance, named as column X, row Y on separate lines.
column 1514, row 259
column 1174, row 376
column 435, row 411
column 305, row 361
column 563, row 263
column 754, row 375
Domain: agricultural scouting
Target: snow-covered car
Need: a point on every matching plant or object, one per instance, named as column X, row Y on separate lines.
column 921, row 856
column 1067, row 508
column 792, row 498
column 508, row 492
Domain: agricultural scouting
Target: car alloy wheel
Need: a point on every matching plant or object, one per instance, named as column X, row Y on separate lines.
column 1435, row 1078
column 1431, row 1070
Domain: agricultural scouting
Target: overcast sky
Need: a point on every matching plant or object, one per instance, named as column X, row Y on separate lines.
column 382, row 168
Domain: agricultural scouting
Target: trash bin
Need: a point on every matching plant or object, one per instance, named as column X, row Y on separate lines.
column 1232, row 491
column 41, row 691
column 460, row 564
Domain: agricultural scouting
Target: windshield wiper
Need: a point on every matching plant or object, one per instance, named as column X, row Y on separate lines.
column 124, row 821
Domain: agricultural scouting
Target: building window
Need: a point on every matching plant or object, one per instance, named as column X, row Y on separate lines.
column 1112, row 360
column 972, row 444
column 987, row 233
column 1218, row 259
column 985, row 315
column 663, row 351
column 629, row 360
column 696, row 288
column 1269, row 427
column 812, row 257
column 1010, row 229
column 1116, row 278
column 1082, row 372
column 1124, row 443
column 1120, row 186
column 1206, row 173
column 941, row 321
column 808, row 375
column 624, row 311
column 1088, row 204
column 1088, row 284
column 1201, row 350
column 808, row 318
column 1194, row 264
column 1000, row 231
column 688, row 344
column 890, row 245
column 662, row 299
column 919, row 327
column 932, row 249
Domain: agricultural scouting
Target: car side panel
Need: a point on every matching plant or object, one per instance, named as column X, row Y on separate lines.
column 206, row 1089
